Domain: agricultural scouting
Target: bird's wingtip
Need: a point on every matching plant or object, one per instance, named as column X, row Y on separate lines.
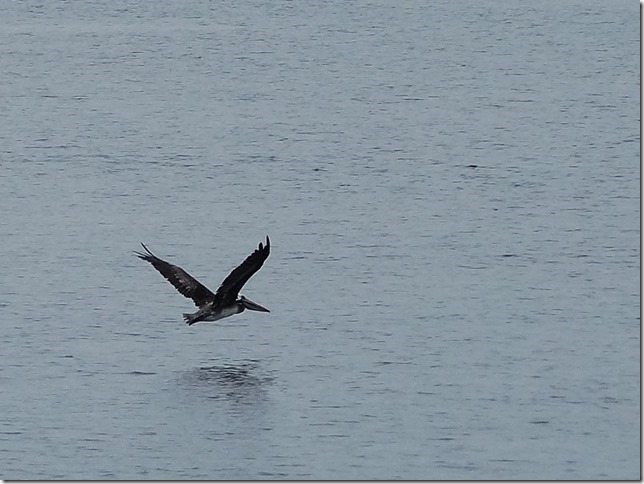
column 144, row 256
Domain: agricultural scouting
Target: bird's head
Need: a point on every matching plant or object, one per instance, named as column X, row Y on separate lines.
column 246, row 303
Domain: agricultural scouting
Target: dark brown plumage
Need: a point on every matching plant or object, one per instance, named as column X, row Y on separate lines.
column 212, row 305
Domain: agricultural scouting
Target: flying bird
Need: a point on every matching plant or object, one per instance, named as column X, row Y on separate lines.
column 225, row 302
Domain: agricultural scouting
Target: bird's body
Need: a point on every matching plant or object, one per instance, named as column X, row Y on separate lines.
column 223, row 303
column 211, row 313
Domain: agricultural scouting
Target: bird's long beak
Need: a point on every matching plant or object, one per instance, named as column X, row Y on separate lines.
column 248, row 304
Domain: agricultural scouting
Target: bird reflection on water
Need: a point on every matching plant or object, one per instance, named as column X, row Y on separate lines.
column 239, row 383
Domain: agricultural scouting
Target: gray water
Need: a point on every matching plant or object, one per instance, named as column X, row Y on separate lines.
column 452, row 194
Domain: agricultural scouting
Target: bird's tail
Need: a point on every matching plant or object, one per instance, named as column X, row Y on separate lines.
column 190, row 319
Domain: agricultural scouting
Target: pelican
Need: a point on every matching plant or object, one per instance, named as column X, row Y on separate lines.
column 224, row 302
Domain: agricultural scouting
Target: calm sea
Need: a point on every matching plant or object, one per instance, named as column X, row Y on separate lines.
column 452, row 193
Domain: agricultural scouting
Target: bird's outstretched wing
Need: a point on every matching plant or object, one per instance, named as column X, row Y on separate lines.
column 229, row 289
column 180, row 279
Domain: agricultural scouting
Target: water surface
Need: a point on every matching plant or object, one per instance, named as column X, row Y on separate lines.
column 451, row 192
